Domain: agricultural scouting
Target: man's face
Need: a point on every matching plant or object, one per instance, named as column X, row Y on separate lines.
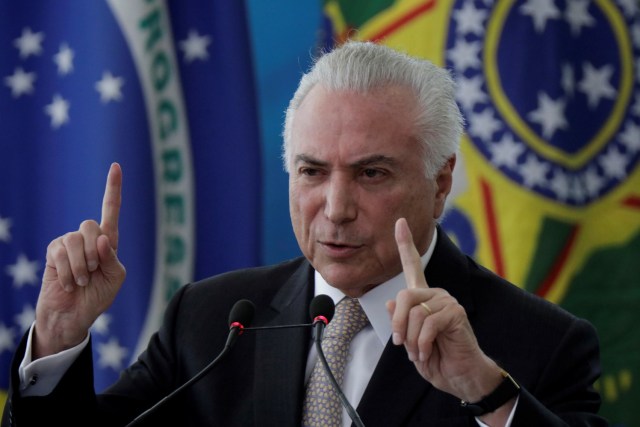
column 356, row 167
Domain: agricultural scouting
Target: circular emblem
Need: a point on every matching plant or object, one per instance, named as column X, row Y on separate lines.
column 550, row 90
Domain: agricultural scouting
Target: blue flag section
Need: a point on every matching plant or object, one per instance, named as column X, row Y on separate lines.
column 166, row 90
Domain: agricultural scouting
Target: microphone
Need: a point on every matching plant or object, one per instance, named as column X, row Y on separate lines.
column 241, row 314
column 322, row 312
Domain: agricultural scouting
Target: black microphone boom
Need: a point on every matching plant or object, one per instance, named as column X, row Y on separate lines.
column 320, row 310
column 241, row 315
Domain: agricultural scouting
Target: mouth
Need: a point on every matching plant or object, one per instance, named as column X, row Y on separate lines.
column 340, row 249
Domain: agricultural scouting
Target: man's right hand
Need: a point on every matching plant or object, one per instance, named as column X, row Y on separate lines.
column 82, row 277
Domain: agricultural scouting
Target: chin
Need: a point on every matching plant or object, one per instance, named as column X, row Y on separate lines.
column 348, row 279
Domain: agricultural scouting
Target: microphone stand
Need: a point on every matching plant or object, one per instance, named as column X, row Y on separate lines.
column 231, row 338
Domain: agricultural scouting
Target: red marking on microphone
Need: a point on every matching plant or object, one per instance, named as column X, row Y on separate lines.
column 321, row 319
column 237, row 325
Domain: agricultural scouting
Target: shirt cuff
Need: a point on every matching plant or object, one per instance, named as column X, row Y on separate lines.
column 509, row 420
column 40, row 377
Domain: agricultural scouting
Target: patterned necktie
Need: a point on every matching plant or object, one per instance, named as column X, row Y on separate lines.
column 321, row 403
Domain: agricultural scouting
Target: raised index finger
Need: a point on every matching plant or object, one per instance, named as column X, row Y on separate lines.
column 111, row 204
column 409, row 256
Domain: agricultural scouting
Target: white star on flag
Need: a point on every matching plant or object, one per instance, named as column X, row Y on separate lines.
column 630, row 7
column 5, row 234
column 64, row 59
column 506, row 152
column 540, row 11
column 549, row 115
column 6, row 338
column 195, row 46
column 58, row 110
column 29, row 43
column 631, row 137
column 560, row 184
column 111, row 354
column 26, row 317
column 614, row 163
column 23, row 271
column 20, row 82
column 470, row 19
column 534, row 171
column 577, row 16
column 593, row 181
column 469, row 92
column 110, row 87
column 101, row 325
column 577, row 190
column 484, row 124
column 595, row 83
column 465, row 54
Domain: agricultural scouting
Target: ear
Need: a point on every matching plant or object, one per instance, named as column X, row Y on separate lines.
column 443, row 182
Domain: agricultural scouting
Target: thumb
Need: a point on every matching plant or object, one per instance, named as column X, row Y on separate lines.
column 391, row 307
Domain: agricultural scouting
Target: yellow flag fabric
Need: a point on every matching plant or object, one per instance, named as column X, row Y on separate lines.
column 547, row 188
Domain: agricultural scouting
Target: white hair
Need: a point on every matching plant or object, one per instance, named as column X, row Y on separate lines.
column 363, row 66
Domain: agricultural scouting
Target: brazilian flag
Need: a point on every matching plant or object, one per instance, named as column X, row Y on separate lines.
column 547, row 187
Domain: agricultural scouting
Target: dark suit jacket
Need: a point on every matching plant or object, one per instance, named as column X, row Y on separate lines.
column 552, row 354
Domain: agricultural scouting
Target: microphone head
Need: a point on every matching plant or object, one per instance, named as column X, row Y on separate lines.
column 242, row 313
column 322, row 305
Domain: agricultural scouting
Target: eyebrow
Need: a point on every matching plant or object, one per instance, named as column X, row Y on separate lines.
column 376, row 159
column 366, row 161
column 304, row 158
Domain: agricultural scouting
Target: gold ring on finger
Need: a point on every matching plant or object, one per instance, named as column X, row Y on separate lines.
column 427, row 309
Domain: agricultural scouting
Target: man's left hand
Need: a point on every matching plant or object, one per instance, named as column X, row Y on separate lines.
column 436, row 332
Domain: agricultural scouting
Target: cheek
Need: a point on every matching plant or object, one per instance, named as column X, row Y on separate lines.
column 421, row 221
column 302, row 209
column 406, row 204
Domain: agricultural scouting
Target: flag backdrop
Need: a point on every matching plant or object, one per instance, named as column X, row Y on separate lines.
column 163, row 88
column 547, row 191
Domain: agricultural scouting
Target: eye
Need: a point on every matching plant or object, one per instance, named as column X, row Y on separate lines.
column 372, row 173
column 308, row 171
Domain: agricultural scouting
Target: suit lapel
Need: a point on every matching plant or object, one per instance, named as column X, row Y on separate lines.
column 394, row 389
column 449, row 269
column 281, row 355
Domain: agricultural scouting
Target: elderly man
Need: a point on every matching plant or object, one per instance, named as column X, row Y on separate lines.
column 370, row 145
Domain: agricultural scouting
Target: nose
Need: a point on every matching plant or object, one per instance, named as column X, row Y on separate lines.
column 340, row 200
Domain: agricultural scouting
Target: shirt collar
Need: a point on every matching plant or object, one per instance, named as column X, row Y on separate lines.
column 374, row 301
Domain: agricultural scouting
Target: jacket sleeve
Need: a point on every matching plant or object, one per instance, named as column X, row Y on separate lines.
column 73, row 402
column 564, row 395
column 75, row 386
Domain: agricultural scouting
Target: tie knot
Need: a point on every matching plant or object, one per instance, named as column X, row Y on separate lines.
column 348, row 320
